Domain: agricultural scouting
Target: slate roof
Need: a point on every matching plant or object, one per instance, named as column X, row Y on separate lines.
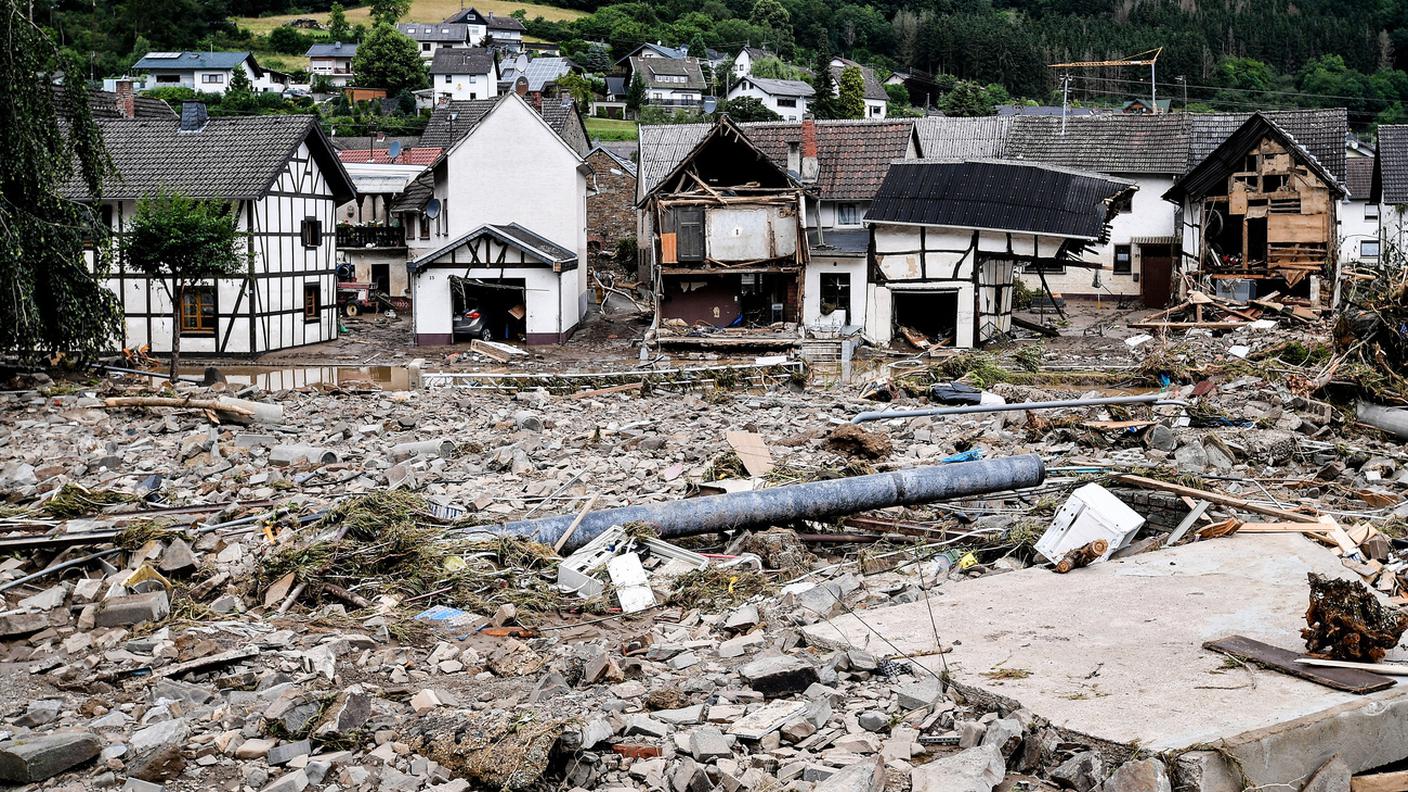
column 1107, row 143
column 462, row 60
column 416, row 195
column 441, row 132
column 534, row 244
column 874, row 89
column 663, row 146
column 1320, row 132
column 451, row 32
column 103, row 104
column 1227, row 157
column 567, row 123
column 1359, row 177
column 650, row 69
column 337, row 49
column 193, row 60
column 1391, row 173
column 852, row 156
column 229, row 158
column 996, row 194
column 940, row 137
column 621, row 162
column 774, row 87
column 496, row 22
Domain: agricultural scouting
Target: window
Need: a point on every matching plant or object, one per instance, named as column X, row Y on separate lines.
column 425, row 47
column 1371, row 211
column 1369, row 248
column 312, row 232
column 1124, row 204
column 168, row 78
column 312, row 301
column 198, row 311
column 424, row 226
column 212, row 78
column 786, row 102
column 1123, row 260
column 836, row 293
column 447, row 79
column 847, row 214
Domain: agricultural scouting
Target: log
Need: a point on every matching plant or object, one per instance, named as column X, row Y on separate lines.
column 1214, row 497
column 182, row 403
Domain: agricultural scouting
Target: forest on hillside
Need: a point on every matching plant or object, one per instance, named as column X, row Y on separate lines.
column 1227, row 54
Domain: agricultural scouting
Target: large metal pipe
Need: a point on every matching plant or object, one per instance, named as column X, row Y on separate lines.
column 1393, row 420
column 880, row 415
column 814, row 500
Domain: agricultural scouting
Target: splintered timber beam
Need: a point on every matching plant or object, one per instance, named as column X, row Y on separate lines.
column 815, row 500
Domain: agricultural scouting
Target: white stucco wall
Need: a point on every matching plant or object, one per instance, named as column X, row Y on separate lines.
column 544, row 293
column 875, row 108
column 811, row 287
column 826, row 214
column 1359, row 222
column 467, row 86
column 770, row 101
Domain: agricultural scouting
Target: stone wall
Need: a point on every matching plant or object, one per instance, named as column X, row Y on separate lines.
column 611, row 214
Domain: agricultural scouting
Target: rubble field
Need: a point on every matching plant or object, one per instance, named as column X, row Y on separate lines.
column 342, row 587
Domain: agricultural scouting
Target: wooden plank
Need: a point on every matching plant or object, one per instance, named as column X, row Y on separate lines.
column 1350, row 680
column 1380, row 782
column 1214, row 497
column 1387, row 669
column 1198, row 510
column 752, row 450
column 587, row 394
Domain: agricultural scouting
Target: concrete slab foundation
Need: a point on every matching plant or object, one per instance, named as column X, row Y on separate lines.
column 1112, row 656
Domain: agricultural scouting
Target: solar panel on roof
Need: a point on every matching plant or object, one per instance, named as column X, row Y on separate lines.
column 163, row 55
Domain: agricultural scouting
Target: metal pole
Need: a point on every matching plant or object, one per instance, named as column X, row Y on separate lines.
column 816, row 500
column 1065, row 97
column 969, row 409
column 1154, row 86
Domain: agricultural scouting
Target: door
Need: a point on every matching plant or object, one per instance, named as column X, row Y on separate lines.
column 1155, row 274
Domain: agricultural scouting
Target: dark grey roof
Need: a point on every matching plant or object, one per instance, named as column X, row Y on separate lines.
column 663, row 146
column 944, row 138
column 874, row 89
column 442, row 132
column 848, row 242
column 450, row 32
column 780, row 87
column 852, row 155
column 616, row 86
column 229, row 158
column 620, row 161
column 103, row 104
column 564, row 119
column 194, row 60
column 1047, row 110
column 1359, row 177
column 462, row 60
column 1213, row 170
column 998, row 195
column 1107, row 144
column 539, row 247
column 1391, row 173
column 416, row 195
column 337, row 49
column 1320, row 132
column 652, row 70
column 496, row 22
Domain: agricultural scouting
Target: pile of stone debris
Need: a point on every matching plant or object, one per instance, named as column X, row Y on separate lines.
column 187, row 604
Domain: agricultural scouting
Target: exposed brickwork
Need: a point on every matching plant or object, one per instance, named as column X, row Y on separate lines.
column 611, row 214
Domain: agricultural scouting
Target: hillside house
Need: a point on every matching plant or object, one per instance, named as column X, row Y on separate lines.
column 208, row 72
column 743, row 62
column 333, row 61
column 432, row 38
column 1390, row 190
column 283, row 182
column 788, row 98
column 503, row 33
column 948, row 237
column 877, row 101
column 669, row 82
column 1261, row 207
column 464, row 73
column 501, row 225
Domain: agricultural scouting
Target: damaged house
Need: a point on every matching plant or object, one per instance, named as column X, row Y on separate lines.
column 1259, row 209
column 722, row 233
column 948, row 237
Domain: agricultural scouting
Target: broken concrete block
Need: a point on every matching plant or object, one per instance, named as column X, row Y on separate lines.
column 425, row 701
column 138, row 785
column 779, row 676
column 297, row 781
column 1082, row 772
column 156, row 751
column 29, row 760
column 347, row 714
column 646, row 726
column 178, row 557
column 971, row 770
column 18, row 625
column 133, row 609
column 922, row 692
column 864, row 776
column 254, row 748
column 287, row 752
column 1005, row 734
column 765, row 720
column 1150, row 775
column 873, row 721
column 707, row 744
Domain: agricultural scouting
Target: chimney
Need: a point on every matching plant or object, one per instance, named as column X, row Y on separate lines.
column 810, row 167
column 126, row 99
column 193, row 116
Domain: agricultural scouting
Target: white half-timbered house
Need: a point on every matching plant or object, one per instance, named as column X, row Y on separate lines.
column 283, row 182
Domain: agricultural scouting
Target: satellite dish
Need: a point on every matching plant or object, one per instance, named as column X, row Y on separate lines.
column 394, row 150
column 432, row 208
column 710, row 104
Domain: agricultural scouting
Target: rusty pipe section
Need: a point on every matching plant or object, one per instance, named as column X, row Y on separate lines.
column 815, row 500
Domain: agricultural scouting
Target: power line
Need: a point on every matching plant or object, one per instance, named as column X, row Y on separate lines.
column 1244, row 90
column 1362, row 114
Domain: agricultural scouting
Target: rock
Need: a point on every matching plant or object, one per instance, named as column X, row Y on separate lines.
column 425, row 701
column 347, row 714
column 29, row 760
column 1082, row 772
column 255, row 748
column 684, row 716
column 922, row 692
column 18, row 625
column 863, row 776
column 779, row 676
column 297, row 781
column 1150, row 775
column 873, row 721
column 156, row 751
column 595, row 732
column 854, row 441
column 1333, row 776
column 287, row 752
column 138, row 785
column 133, row 609
column 40, row 712
column 707, row 744
column 1005, row 734
column 646, row 726
column 741, row 619
column 48, row 599
column 514, row 658
column 971, row 770
column 178, row 557
column 1191, row 457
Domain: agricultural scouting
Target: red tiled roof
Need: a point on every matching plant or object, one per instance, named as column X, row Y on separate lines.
column 423, row 155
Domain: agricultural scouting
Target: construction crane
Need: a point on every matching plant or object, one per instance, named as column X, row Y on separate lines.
column 1148, row 58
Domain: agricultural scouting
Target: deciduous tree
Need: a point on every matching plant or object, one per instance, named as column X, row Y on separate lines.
column 850, row 100
column 389, row 59
column 748, row 108
column 389, row 12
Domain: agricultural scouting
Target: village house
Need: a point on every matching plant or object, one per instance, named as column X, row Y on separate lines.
column 371, row 242
column 534, row 78
column 877, row 101
column 1390, row 191
column 742, row 65
column 948, row 237
column 787, row 98
column 333, row 61
column 1358, row 214
column 669, row 82
column 1259, row 208
column 432, row 37
column 283, row 182
column 465, row 73
column 208, row 72
column 500, row 221
column 503, row 33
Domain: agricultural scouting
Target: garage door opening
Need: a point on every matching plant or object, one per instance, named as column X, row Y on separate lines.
column 490, row 310
column 933, row 315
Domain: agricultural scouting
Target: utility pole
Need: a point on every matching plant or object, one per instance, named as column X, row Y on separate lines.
column 1065, row 99
column 1183, row 81
column 1154, row 86
column 1148, row 58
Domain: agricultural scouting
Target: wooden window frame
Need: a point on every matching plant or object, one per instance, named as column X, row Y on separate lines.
column 312, row 312
column 310, row 233
column 194, row 294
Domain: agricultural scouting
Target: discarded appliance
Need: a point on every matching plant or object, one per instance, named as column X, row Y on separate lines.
column 1091, row 513
column 813, row 500
column 957, row 393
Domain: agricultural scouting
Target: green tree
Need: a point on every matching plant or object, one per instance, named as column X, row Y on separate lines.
column 596, row 59
column 748, row 108
column 389, row 59
column 287, row 41
column 772, row 16
column 338, row 29
column 967, row 99
column 850, row 99
column 824, row 102
column 635, row 93
column 389, row 12
column 240, row 83
column 52, row 301
column 577, row 87
column 181, row 242
column 776, row 69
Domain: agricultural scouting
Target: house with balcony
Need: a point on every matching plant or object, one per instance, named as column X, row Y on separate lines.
column 669, row 82
column 371, row 241
column 208, row 72
column 333, row 61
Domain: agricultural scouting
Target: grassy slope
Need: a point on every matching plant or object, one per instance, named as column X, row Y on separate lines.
column 611, row 129
column 421, row 11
